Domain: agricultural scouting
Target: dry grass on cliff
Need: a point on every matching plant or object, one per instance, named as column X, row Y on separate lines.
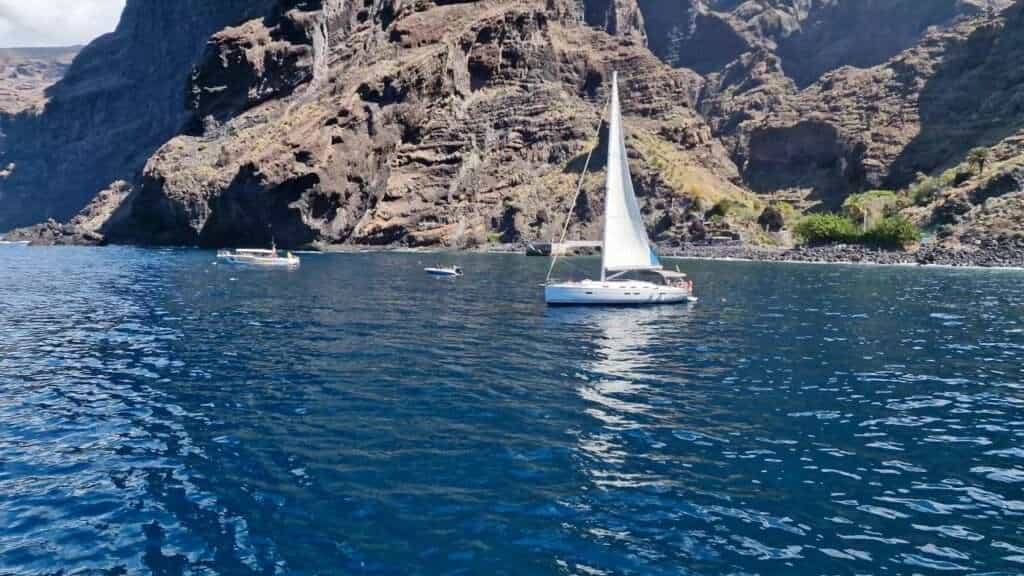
column 684, row 174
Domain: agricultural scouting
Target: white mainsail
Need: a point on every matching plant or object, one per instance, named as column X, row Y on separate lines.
column 626, row 247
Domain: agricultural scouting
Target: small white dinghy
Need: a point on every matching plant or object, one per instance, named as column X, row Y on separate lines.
column 449, row 272
column 631, row 273
column 260, row 257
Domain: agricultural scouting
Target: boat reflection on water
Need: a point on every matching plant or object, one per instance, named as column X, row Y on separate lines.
column 630, row 385
column 624, row 384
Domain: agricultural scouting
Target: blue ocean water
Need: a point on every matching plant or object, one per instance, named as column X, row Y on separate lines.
column 163, row 414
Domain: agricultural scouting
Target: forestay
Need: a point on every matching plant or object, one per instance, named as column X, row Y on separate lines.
column 626, row 246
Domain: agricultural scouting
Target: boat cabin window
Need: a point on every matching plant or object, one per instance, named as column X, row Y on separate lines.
column 642, row 276
column 662, row 278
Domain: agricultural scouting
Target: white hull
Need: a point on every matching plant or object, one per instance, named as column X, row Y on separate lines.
column 614, row 293
column 443, row 272
column 258, row 258
column 278, row 262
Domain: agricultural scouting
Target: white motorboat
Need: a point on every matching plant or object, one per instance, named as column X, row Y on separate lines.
column 260, row 257
column 450, row 272
column 631, row 273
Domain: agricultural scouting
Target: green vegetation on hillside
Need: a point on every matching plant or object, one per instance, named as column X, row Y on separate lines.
column 894, row 232
column 827, row 229
column 683, row 174
column 977, row 158
column 927, row 188
column 869, row 207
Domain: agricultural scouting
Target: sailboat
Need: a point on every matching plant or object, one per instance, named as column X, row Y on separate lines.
column 631, row 273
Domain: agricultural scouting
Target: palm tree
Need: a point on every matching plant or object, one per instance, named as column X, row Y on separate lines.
column 977, row 158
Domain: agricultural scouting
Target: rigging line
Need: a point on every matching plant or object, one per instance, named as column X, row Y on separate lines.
column 575, row 198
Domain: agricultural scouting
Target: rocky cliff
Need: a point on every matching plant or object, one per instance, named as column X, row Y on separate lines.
column 809, row 37
column 449, row 122
column 859, row 128
column 26, row 73
column 121, row 99
column 427, row 124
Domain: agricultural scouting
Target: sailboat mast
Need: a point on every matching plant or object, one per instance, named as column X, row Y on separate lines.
column 614, row 128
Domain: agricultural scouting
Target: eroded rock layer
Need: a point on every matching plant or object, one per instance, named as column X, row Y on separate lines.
column 429, row 124
column 425, row 122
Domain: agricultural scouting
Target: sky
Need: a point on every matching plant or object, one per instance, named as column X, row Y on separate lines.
column 56, row 22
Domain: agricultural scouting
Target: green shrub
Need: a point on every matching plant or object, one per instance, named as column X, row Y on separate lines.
column 788, row 211
column 701, row 205
column 978, row 158
column 827, row 228
column 722, row 209
column 925, row 190
column 948, row 177
column 868, row 207
column 893, row 232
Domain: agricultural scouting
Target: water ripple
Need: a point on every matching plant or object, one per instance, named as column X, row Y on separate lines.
column 160, row 413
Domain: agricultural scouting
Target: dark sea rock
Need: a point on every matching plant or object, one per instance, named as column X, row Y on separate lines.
column 53, row 233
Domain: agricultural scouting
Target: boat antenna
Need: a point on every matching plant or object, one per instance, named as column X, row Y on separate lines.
column 575, row 198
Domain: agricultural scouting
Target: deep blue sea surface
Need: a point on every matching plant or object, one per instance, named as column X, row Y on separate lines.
column 163, row 414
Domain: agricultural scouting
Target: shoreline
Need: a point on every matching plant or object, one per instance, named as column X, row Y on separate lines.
column 1010, row 258
column 845, row 262
column 834, row 255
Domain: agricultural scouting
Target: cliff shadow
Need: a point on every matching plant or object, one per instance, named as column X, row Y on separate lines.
column 252, row 212
column 810, row 155
column 975, row 98
column 860, row 34
column 685, row 36
column 123, row 96
column 598, row 155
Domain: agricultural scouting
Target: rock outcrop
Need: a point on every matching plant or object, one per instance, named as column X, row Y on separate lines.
column 90, row 227
column 469, row 121
column 981, row 211
column 617, row 17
